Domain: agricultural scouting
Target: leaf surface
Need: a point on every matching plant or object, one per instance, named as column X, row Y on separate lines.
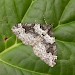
column 18, row 59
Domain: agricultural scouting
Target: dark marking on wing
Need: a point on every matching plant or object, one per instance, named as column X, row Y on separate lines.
column 49, row 27
column 28, row 28
column 50, row 49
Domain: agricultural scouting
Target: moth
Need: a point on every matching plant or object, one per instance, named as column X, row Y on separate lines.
column 41, row 38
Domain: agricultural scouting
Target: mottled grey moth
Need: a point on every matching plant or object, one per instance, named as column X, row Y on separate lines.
column 41, row 38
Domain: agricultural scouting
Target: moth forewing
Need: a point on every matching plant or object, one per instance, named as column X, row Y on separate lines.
column 41, row 38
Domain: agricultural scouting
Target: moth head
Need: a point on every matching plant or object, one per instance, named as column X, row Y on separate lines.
column 37, row 26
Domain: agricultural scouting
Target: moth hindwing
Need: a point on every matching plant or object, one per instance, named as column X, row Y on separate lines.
column 41, row 38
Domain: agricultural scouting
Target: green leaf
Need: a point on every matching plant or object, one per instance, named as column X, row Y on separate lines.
column 68, row 14
column 18, row 59
column 68, row 31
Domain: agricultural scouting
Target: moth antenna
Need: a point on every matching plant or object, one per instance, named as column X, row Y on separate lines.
column 44, row 19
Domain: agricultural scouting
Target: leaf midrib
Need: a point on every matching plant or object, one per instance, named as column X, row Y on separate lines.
column 11, row 47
